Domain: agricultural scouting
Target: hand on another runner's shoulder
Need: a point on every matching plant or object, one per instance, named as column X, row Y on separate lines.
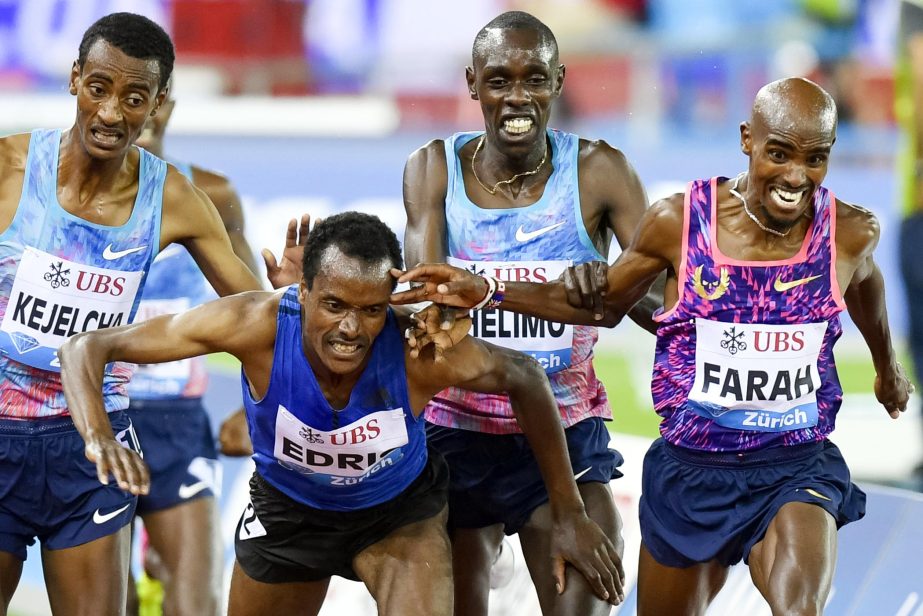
column 893, row 390
column 233, row 437
column 441, row 283
column 288, row 271
column 586, row 284
column 126, row 467
column 578, row 540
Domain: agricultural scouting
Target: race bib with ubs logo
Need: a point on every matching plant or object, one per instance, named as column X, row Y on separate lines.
column 548, row 342
column 53, row 298
column 752, row 376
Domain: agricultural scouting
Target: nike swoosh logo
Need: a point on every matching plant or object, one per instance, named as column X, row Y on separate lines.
column 109, row 254
column 582, row 473
column 815, row 493
column 190, row 491
column 781, row 285
column 100, row 518
column 523, row 236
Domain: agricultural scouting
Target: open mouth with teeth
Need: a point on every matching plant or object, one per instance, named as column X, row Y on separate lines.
column 785, row 199
column 345, row 348
column 517, row 126
column 106, row 137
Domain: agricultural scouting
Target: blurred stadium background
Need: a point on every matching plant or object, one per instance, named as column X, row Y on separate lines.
column 313, row 106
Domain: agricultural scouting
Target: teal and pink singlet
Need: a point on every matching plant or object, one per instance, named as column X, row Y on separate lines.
column 533, row 243
column 744, row 360
column 61, row 275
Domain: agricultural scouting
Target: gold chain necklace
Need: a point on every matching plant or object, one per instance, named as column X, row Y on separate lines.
column 733, row 191
column 493, row 190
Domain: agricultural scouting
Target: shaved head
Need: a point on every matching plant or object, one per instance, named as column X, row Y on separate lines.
column 491, row 35
column 792, row 104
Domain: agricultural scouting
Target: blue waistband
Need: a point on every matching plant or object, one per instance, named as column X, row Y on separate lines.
column 737, row 459
column 45, row 426
column 179, row 405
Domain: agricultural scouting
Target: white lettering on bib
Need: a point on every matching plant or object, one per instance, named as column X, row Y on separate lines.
column 753, row 376
column 349, row 453
column 548, row 342
column 53, row 298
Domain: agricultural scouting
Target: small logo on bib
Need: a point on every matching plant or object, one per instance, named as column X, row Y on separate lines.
column 58, row 275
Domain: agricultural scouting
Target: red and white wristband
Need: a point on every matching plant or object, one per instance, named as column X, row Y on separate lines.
column 496, row 289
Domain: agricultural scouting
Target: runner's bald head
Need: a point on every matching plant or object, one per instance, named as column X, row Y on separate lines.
column 491, row 34
column 787, row 104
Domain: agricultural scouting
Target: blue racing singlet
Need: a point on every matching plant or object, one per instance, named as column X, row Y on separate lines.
column 339, row 460
column 61, row 275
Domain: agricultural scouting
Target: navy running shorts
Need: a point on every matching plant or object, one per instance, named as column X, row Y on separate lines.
column 279, row 540
column 699, row 506
column 494, row 478
column 179, row 449
column 49, row 490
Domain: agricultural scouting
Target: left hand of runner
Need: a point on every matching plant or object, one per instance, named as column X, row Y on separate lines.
column 578, row 540
column 437, row 325
column 893, row 390
column 288, row 271
column 234, row 438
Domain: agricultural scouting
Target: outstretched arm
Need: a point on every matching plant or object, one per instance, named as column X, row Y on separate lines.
column 654, row 248
column 223, row 325
column 865, row 300
column 478, row 366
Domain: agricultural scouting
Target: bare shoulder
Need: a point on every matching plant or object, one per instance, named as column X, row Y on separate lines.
column 857, row 229
column 14, row 150
column 428, row 159
column 217, row 186
column 185, row 208
column 597, row 156
column 667, row 214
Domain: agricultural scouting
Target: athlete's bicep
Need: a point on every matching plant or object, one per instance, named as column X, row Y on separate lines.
column 424, row 192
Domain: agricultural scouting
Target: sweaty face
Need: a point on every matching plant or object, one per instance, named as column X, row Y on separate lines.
column 344, row 312
column 789, row 154
column 115, row 95
column 516, row 78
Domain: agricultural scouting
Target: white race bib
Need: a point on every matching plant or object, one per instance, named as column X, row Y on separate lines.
column 53, row 298
column 548, row 342
column 753, row 376
column 355, row 451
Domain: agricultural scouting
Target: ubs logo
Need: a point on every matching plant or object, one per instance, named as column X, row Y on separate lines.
column 733, row 341
column 57, row 277
column 310, row 435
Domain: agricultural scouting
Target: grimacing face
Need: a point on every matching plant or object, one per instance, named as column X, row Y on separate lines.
column 515, row 77
column 115, row 96
column 788, row 140
column 344, row 312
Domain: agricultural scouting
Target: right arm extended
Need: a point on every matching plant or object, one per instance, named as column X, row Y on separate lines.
column 654, row 248
column 230, row 324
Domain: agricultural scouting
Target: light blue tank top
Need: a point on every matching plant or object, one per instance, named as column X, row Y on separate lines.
column 353, row 458
column 174, row 284
column 61, row 275
column 534, row 243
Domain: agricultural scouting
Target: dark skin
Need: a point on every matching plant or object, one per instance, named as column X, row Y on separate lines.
column 788, row 141
column 343, row 312
column 97, row 181
column 185, row 538
column 515, row 75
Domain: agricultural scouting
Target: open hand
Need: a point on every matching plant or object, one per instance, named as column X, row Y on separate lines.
column 437, row 325
column 126, row 466
column 578, row 540
column 441, row 283
column 288, row 271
